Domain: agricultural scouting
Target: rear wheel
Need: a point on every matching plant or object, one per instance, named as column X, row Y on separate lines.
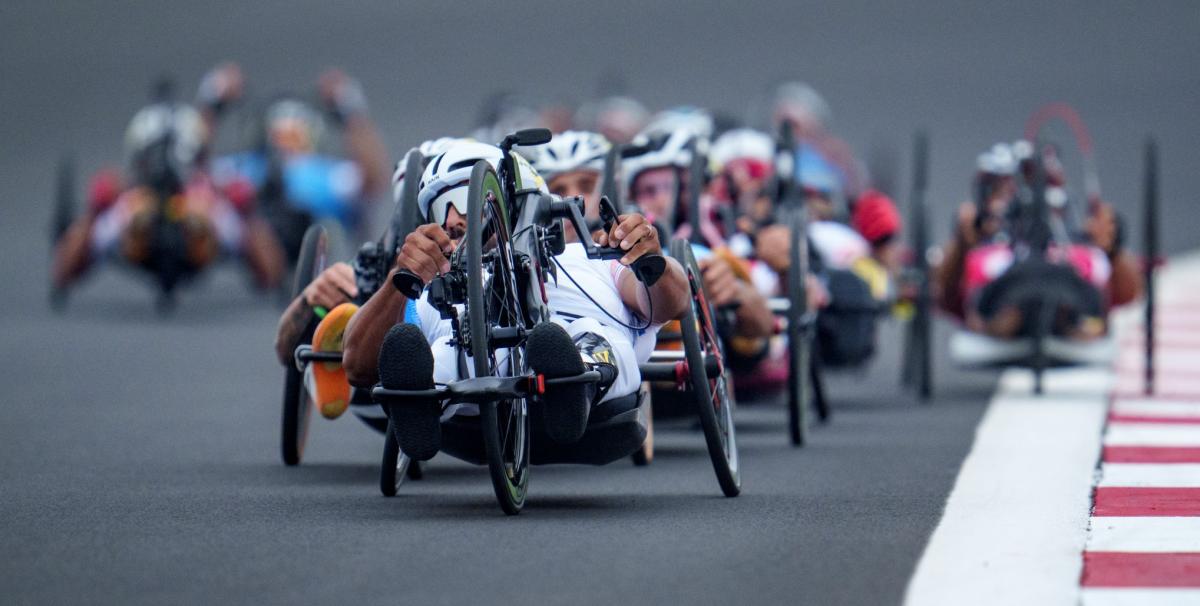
column 396, row 465
column 297, row 403
column 799, row 343
column 505, row 424
column 713, row 395
column 645, row 455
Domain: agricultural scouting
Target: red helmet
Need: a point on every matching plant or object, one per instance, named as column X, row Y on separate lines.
column 875, row 216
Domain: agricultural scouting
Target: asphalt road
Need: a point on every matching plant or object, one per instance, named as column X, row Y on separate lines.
column 139, row 455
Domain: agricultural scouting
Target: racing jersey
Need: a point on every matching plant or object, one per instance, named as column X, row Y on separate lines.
column 567, row 301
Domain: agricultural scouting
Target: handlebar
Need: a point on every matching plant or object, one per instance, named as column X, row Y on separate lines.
column 647, row 268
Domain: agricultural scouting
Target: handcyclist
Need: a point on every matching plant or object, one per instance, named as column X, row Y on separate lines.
column 658, row 180
column 603, row 316
column 166, row 146
column 329, row 297
column 292, row 156
column 980, row 251
column 806, row 111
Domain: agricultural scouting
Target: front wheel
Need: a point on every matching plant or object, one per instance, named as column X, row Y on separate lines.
column 799, row 344
column 505, row 424
column 396, row 465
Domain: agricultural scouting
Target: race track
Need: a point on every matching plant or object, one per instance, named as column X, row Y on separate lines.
column 139, row 454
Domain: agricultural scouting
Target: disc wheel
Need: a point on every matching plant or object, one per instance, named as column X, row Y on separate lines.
column 297, row 404
column 713, row 395
column 396, row 465
column 505, row 424
column 799, row 344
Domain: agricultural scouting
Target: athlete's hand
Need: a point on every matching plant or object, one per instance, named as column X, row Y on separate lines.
column 333, row 287
column 221, row 86
column 341, row 94
column 720, row 283
column 633, row 233
column 1101, row 227
column 773, row 245
column 426, row 252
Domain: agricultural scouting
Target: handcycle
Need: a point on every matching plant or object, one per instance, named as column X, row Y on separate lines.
column 157, row 241
column 1042, row 286
column 371, row 266
column 811, row 351
column 496, row 277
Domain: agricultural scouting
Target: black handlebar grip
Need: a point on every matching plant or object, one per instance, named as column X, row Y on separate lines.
column 409, row 284
column 649, row 268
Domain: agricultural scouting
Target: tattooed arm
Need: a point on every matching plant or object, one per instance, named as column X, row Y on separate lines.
column 333, row 287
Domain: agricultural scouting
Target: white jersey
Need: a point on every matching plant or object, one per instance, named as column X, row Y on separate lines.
column 573, row 310
column 837, row 243
column 568, row 302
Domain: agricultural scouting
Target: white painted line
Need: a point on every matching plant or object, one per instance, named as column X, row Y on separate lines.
column 1016, row 520
column 1111, row 596
column 1152, row 434
column 1157, row 408
column 1158, row 533
column 1183, row 475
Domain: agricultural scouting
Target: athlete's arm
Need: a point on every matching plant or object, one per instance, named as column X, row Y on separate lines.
column 949, row 275
column 344, row 96
column 333, row 287
column 633, row 233
column 1125, row 283
column 424, row 254
column 754, row 319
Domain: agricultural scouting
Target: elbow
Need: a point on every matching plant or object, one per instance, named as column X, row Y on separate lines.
column 360, row 372
column 282, row 351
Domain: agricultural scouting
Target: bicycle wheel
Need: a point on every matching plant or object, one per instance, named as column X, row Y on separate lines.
column 407, row 215
column 714, row 397
column 396, row 465
column 297, row 403
column 799, row 345
column 645, row 455
column 505, row 423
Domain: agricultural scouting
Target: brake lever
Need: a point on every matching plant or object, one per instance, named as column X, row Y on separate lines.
column 647, row 268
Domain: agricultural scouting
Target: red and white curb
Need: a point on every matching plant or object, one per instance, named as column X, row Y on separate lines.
column 1091, row 494
column 1143, row 543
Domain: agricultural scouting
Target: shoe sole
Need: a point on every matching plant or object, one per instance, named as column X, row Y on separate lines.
column 332, row 389
column 551, row 352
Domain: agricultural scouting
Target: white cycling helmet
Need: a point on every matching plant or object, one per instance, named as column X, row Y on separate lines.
column 569, row 151
column 446, row 177
column 178, row 127
column 693, row 120
column 801, row 102
column 656, row 151
column 1001, row 160
column 428, row 149
column 741, row 144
